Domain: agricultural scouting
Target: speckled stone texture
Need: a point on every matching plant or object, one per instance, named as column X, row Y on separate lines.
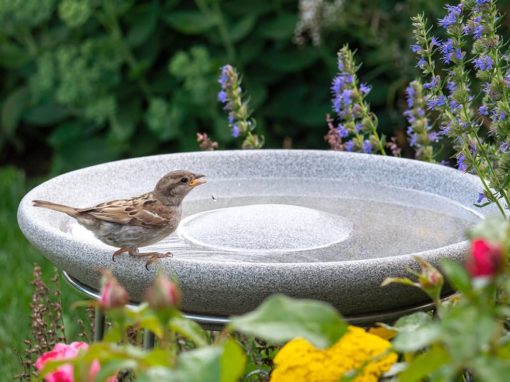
column 310, row 224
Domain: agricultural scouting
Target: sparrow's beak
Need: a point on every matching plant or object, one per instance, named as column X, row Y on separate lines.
column 197, row 181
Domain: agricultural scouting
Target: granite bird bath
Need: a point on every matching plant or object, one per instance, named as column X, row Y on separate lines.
column 310, row 224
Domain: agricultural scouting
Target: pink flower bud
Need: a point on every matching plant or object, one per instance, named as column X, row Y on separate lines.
column 486, row 258
column 65, row 373
column 113, row 295
column 163, row 293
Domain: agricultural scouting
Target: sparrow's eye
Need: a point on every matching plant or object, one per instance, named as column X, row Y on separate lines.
column 184, row 180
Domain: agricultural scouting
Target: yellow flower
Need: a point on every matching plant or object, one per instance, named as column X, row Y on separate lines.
column 383, row 332
column 299, row 361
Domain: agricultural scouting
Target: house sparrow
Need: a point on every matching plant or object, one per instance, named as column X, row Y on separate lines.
column 139, row 221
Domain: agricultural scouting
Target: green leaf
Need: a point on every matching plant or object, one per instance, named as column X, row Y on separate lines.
column 240, row 29
column 144, row 19
column 46, row 114
column 291, row 61
column 201, row 365
column 417, row 340
column 280, row 28
column 189, row 329
column 233, row 361
column 468, row 330
column 456, row 276
column 425, row 364
column 494, row 229
column 126, row 118
column 244, row 7
column 399, row 280
column 491, row 369
column 159, row 357
column 191, row 22
column 281, row 318
column 13, row 56
column 412, row 322
column 111, row 368
column 13, row 107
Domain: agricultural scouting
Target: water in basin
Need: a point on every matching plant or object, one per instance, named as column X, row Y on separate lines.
column 294, row 220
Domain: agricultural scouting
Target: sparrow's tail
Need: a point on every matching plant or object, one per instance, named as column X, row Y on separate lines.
column 71, row 211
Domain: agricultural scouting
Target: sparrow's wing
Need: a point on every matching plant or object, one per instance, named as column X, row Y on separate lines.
column 132, row 211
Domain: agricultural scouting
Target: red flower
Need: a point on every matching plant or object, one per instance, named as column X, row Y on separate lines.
column 65, row 373
column 113, row 295
column 486, row 258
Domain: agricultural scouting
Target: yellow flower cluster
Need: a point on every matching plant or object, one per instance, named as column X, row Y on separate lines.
column 299, row 361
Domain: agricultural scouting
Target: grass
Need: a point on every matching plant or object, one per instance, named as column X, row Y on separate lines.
column 17, row 260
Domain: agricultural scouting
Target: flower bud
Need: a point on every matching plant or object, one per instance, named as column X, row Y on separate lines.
column 485, row 260
column 163, row 294
column 430, row 279
column 113, row 295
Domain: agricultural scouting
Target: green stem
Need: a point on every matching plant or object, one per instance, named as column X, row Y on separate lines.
column 373, row 127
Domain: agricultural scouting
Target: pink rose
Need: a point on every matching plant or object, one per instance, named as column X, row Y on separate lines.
column 486, row 258
column 65, row 372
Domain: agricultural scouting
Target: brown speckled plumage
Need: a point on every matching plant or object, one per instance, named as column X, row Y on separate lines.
column 139, row 221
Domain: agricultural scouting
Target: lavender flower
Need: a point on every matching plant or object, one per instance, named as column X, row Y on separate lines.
column 451, row 17
column 230, row 95
column 419, row 131
column 349, row 146
column 461, row 163
column 434, row 102
column 483, row 63
column 348, row 101
column 367, row 146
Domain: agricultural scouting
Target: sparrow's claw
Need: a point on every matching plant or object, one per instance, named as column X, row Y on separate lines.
column 119, row 252
column 154, row 256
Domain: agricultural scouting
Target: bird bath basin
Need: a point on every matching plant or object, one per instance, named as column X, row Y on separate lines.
column 310, row 224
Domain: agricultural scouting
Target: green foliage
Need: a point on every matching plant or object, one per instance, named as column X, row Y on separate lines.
column 17, row 258
column 468, row 336
column 280, row 319
column 126, row 78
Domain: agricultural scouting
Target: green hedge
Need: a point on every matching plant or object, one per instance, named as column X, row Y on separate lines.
column 88, row 81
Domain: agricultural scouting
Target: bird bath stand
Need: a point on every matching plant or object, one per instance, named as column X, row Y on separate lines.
column 310, row 224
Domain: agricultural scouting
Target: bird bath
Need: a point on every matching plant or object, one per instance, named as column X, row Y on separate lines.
column 310, row 224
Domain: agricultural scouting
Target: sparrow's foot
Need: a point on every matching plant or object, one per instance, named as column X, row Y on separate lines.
column 154, row 256
column 151, row 256
column 119, row 252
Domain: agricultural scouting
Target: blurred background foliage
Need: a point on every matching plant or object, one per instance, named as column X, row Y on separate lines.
column 89, row 81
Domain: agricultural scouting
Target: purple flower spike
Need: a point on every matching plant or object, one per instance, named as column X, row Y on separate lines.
column 451, row 17
column 483, row 63
column 235, row 131
column 342, row 131
column 461, row 163
column 367, row 147
column 222, row 96
column 447, row 50
column 365, row 89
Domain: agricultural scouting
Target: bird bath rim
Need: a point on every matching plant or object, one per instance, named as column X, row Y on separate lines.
column 430, row 253
column 230, row 287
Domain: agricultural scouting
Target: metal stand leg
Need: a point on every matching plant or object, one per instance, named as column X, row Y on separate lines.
column 99, row 324
column 148, row 339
